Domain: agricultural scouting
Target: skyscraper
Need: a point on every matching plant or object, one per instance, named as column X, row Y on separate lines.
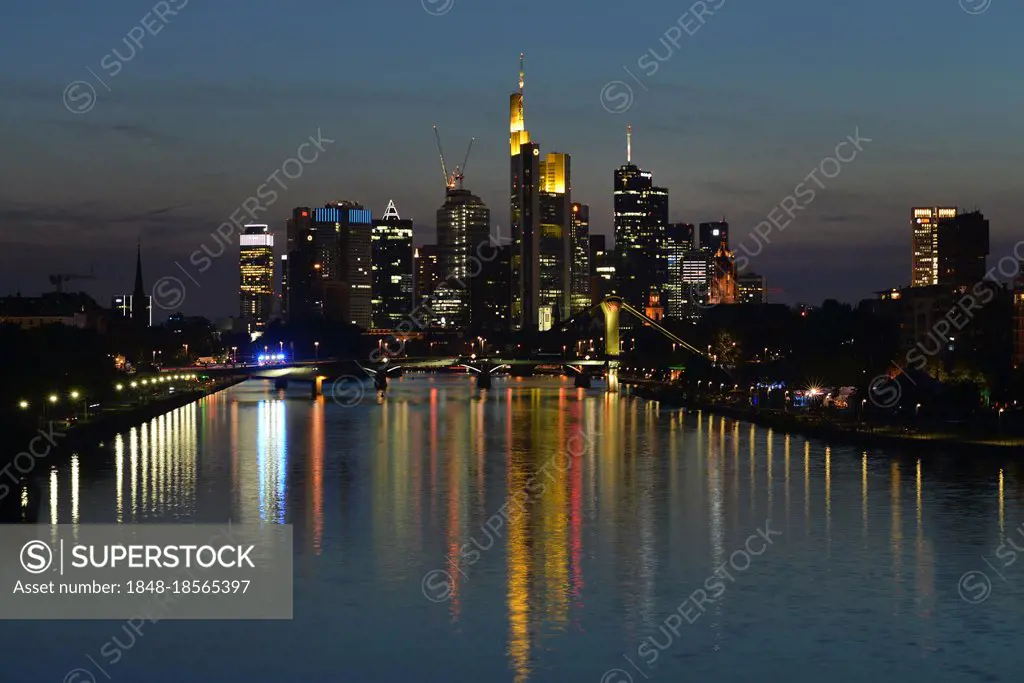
column 490, row 291
column 463, row 228
column 579, row 263
column 555, row 246
column 329, row 263
column 256, row 276
column 391, row 259
column 678, row 248
column 524, row 212
column 924, row 242
column 641, row 215
column 963, row 248
column 427, row 272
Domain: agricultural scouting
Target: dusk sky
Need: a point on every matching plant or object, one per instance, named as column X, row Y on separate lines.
column 730, row 123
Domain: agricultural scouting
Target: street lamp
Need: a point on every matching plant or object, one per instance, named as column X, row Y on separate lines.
column 23, row 405
column 316, row 346
column 54, row 398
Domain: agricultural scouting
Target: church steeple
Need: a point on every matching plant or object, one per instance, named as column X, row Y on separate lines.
column 139, row 290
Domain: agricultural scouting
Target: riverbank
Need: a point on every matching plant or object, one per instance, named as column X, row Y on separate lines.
column 103, row 426
column 858, row 434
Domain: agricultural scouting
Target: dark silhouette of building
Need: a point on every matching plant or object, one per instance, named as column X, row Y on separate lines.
column 490, row 300
column 713, row 235
column 751, row 289
column 330, row 264
column 137, row 306
column 1018, row 319
column 963, row 247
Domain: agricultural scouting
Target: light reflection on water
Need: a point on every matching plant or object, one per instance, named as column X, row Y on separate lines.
column 862, row 584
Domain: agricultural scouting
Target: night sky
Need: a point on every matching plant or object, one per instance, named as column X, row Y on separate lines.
column 198, row 118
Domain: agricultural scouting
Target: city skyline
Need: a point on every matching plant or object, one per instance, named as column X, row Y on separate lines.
column 726, row 139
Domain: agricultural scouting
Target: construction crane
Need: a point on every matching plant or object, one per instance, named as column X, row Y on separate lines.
column 459, row 174
column 59, row 279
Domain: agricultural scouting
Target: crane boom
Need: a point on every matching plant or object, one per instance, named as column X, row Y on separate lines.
column 468, row 150
column 440, row 152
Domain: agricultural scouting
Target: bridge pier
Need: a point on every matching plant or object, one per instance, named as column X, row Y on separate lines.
column 611, row 307
column 483, row 378
column 380, row 380
column 317, row 387
column 582, row 380
column 613, row 377
column 280, row 383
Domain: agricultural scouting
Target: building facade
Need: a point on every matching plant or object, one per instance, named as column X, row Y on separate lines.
column 641, row 216
column 963, row 249
column 256, row 276
column 751, row 288
column 924, row 244
column 463, row 230
column 679, row 247
column 391, row 259
column 555, row 244
column 579, row 263
column 330, row 263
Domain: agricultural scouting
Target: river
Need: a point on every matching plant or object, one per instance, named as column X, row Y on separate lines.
column 638, row 543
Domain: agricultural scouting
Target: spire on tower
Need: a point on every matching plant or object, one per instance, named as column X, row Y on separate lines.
column 391, row 211
column 522, row 73
column 139, row 290
column 629, row 144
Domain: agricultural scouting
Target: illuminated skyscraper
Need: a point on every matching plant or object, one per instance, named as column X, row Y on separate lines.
column 391, row 241
column 256, row 276
column 524, row 213
column 678, row 248
column 555, row 246
column 463, row 231
column 924, row 225
column 641, row 216
column 579, row 263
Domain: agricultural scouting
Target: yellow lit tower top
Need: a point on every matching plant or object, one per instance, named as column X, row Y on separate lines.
column 518, row 135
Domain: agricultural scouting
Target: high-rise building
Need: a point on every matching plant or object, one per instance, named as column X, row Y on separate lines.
column 641, row 215
column 713, row 235
column 579, row 264
column 604, row 280
column 283, row 296
column 490, row 291
column 391, row 260
column 555, row 244
column 963, row 249
column 256, row 276
column 426, row 275
column 463, row 229
column 678, row 247
column 697, row 272
column 924, row 241
column 751, row 289
column 329, row 263
column 524, row 214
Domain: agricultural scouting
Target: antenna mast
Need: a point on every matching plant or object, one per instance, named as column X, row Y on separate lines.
column 629, row 144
